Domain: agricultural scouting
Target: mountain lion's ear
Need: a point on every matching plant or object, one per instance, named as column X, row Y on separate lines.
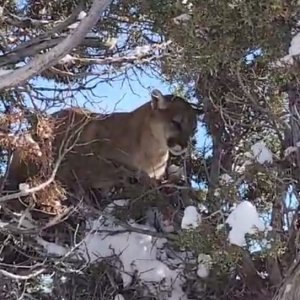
column 158, row 100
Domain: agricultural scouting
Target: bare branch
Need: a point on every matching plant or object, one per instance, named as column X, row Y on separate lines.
column 43, row 62
column 41, row 42
column 21, row 277
column 34, row 46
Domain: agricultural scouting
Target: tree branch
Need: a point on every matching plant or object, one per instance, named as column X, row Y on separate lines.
column 21, row 277
column 44, row 61
column 40, row 45
column 34, row 45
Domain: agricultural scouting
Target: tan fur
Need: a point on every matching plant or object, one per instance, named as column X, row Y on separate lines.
column 137, row 140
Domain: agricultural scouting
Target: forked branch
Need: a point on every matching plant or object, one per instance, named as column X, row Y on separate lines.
column 44, row 61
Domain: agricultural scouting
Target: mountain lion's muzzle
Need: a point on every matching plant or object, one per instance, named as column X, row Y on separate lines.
column 177, row 147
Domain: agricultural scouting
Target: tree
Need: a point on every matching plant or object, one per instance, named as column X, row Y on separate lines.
column 238, row 60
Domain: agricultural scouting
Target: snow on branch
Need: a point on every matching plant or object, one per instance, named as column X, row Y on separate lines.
column 262, row 153
column 137, row 56
column 243, row 219
column 44, row 61
column 191, row 218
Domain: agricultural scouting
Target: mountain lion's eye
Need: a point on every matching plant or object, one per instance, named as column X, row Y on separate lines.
column 176, row 124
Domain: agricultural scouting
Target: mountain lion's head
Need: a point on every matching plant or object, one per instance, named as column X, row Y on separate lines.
column 175, row 119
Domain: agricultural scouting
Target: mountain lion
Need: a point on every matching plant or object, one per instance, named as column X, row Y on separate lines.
column 99, row 145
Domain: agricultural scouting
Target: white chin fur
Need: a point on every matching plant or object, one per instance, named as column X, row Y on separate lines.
column 177, row 150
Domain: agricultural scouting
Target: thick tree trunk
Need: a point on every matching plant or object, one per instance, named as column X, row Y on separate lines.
column 290, row 287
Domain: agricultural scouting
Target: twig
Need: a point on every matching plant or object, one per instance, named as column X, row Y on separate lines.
column 21, row 277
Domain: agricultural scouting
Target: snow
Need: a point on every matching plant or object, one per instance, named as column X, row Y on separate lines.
column 266, row 244
column 111, row 43
column 4, row 72
column 74, row 25
column 191, row 218
column 202, row 208
column 295, row 45
column 67, row 59
column 282, row 62
column 129, row 247
column 288, row 151
column 188, row 4
column 117, row 203
column 263, row 275
column 226, row 178
column 294, row 50
column 183, row 18
column 3, row 224
column 142, row 50
column 52, row 248
column 288, row 288
column 136, row 251
column 243, row 219
column 46, row 283
column 92, row 35
column 204, row 265
column 139, row 254
column 202, row 271
column 23, row 187
column 219, row 227
column 81, row 15
column 25, row 220
column 261, row 152
column 240, row 169
column 151, row 270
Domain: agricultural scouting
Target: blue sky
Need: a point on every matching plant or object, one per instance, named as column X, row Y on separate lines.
column 117, row 96
column 126, row 97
